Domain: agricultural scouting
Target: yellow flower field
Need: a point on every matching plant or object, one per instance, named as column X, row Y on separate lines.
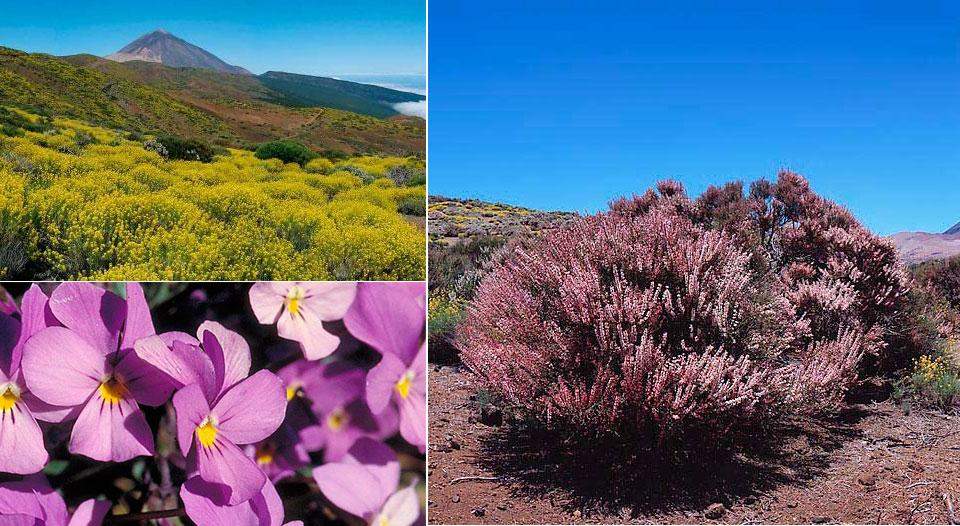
column 83, row 202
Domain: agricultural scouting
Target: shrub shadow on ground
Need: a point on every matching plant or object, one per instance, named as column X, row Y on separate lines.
column 613, row 478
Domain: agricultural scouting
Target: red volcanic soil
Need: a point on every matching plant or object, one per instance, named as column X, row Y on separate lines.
column 876, row 462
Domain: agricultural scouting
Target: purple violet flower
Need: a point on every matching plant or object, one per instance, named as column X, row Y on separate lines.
column 218, row 407
column 365, row 484
column 390, row 318
column 32, row 501
column 21, row 441
column 299, row 309
column 89, row 364
column 332, row 395
column 264, row 508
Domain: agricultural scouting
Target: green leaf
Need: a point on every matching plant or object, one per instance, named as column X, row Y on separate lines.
column 138, row 468
column 55, row 467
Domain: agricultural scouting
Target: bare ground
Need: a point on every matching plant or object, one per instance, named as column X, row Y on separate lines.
column 874, row 463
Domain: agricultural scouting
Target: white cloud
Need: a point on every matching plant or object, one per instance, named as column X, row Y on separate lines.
column 418, row 109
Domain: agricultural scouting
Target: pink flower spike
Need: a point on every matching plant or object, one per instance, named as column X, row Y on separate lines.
column 299, row 308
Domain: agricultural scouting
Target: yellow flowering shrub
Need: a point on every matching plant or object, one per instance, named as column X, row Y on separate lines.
column 933, row 379
column 319, row 166
column 380, row 166
column 83, row 202
column 17, row 237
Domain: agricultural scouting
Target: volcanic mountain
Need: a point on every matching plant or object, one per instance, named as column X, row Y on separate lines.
column 917, row 247
column 164, row 60
column 169, row 50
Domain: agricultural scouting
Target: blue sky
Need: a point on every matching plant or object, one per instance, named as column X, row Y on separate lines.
column 322, row 37
column 565, row 105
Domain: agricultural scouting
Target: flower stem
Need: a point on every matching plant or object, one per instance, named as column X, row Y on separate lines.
column 145, row 516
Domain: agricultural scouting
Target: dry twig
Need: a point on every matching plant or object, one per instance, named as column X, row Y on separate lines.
column 949, row 502
column 473, row 477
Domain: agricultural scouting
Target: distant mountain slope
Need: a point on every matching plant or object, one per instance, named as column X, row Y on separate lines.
column 203, row 83
column 57, row 86
column 917, row 247
column 453, row 220
column 306, row 90
column 226, row 109
column 287, row 89
column 162, row 47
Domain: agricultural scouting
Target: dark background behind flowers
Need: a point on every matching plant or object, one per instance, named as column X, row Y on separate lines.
column 183, row 307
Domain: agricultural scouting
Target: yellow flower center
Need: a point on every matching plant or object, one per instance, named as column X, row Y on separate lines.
column 294, row 297
column 265, row 454
column 9, row 397
column 337, row 419
column 383, row 521
column 207, row 432
column 112, row 391
column 403, row 385
column 293, row 390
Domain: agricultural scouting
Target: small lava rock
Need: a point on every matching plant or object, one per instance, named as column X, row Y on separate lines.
column 820, row 520
column 714, row 511
column 491, row 416
column 867, row 479
column 455, row 498
column 479, row 512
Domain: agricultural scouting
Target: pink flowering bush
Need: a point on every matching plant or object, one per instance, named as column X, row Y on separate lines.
column 667, row 315
column 216, row 404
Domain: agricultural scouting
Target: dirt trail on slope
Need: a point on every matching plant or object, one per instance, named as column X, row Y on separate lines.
column 874, row 463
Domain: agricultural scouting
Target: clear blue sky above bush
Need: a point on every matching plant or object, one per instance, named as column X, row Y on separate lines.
column 321, row 37
column 565, row 105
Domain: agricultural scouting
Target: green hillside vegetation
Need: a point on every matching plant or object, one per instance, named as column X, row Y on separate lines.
column 284, row 89
column 79, row 201
column 213, row 85
column 306, row 90
column 235, row 111
column 58, row 87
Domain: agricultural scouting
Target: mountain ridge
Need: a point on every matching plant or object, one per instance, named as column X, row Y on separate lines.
column 146, row 57
column 163, row 47
column 917, row 247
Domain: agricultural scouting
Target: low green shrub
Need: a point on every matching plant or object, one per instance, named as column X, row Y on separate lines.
column 186, row 149
column 285, row 150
